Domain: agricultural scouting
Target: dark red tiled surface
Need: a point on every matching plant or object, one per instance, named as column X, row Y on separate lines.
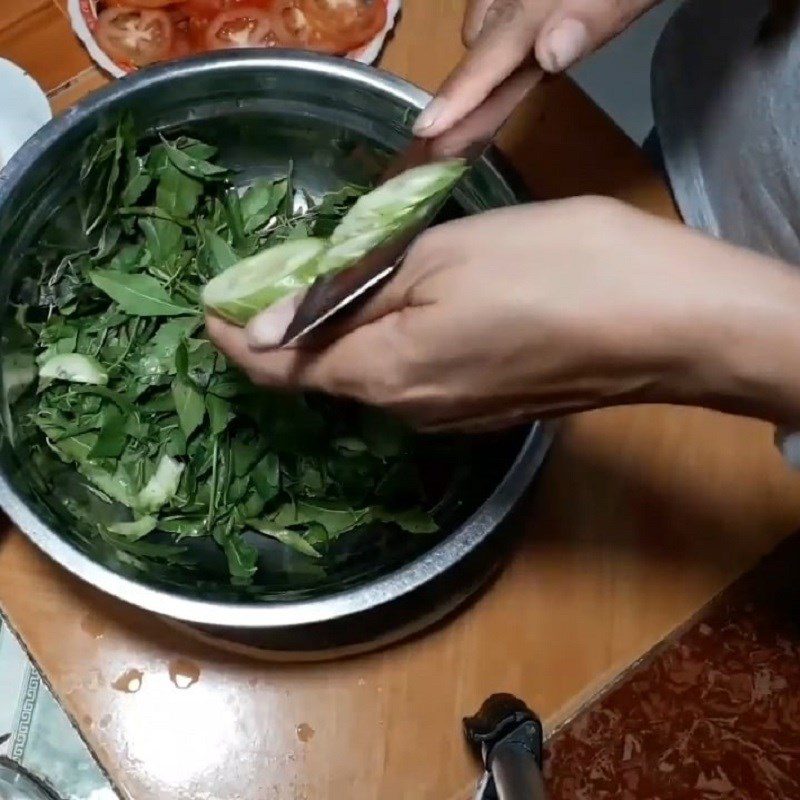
column 714, row 713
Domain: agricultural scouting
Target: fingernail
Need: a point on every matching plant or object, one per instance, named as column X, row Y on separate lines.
column 565, row 44
column 428, row 118
column 268, row 328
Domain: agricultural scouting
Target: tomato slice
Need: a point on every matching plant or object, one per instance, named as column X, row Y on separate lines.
column 343, row 24
column 142, row 3
column 242, row 26
column 181, row 45
column 204, row 9
column 136, row 36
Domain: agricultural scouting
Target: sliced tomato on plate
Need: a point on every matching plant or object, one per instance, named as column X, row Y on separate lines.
column 143, row 31
column 342, row 24
column 135, row 36
column 204, row 9
column 181, row 45
column 141, row 3
column 240, row 26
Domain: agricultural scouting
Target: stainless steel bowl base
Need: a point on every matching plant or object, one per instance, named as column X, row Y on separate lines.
column 335, row 122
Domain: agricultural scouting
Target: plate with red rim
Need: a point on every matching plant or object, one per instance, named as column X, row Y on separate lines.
column 83, row 16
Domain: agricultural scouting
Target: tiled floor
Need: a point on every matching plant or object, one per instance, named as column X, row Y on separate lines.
column 714, row 714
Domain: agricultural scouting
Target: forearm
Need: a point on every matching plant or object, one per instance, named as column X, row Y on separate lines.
column 755, row 366
column 553, row 308
column 738, row 350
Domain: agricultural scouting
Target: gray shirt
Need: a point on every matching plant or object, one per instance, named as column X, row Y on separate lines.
column 726, row 101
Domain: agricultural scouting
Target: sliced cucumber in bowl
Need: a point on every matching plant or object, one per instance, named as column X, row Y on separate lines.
column 255, row 283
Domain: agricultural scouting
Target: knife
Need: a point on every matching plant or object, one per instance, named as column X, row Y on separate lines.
column 331, row 295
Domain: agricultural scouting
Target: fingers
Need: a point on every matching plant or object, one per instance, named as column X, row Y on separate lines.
column 267, row 328
column 502, row 46
column 480, row 126
column 473, row 20
column 578, row 27
column 362, row 365
column 502, row 33
column 284, row 365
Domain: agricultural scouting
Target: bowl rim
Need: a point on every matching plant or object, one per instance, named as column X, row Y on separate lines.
column 272, row 615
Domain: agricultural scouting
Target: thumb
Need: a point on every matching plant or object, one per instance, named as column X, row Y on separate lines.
column 266, row 330
column 578, row 27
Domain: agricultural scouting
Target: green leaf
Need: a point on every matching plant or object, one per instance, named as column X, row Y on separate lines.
column 261, row 202
column 176, row 443
column 413, row 520
column 112, row 437
column 234, row 218
column 169, row 335
column 127, row 258
column 189, row 405
column 267, row 477
column 195, row 148
column 219, row 253
column 192, row 166
column 186, row 528
column 164, row 238
column 290, row 538
column 242, row 557
column 220, row 413
column 335, row 517
column 139, row 295
column 98, row 178
column 177, row 194
column 245, row 452
column 182, row 360
column 138, row 179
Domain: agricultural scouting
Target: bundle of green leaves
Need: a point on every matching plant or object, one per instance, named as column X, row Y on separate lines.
column 172, row 440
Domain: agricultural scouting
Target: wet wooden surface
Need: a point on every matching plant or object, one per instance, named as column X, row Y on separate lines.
column 641, row 516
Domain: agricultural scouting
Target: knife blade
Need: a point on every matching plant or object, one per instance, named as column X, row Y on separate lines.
column 331, row 295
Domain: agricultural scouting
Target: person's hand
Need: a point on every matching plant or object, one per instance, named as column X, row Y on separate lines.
column 551, row 308
column 502, row 34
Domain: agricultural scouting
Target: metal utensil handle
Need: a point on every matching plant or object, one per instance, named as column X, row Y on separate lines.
column 516, row 773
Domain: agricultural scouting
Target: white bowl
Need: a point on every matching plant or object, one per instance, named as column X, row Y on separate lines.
column 23, row 109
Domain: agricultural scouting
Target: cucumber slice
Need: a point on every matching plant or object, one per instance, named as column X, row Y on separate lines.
column 389, row 208
column 135, row 530
column 162, row 486
column 255, row 283
column 75, row 368
column 348, row 252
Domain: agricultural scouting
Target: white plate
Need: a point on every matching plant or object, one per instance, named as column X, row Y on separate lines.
column 23, row 108
column 83, row 17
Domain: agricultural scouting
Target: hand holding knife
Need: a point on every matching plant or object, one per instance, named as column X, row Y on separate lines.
column 332, row 295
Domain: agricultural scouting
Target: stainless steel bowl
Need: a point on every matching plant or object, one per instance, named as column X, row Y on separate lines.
column 336, row 121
